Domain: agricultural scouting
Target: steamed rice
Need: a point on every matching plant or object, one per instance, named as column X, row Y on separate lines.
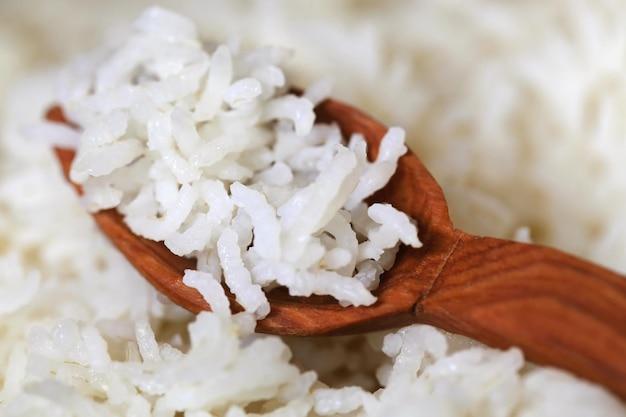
column 208, row 152
column 85, row 289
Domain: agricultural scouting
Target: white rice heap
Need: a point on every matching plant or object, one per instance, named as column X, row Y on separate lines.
column 209, row 153
column 514, row 105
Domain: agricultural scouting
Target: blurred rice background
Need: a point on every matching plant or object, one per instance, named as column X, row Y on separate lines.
column 515, row 106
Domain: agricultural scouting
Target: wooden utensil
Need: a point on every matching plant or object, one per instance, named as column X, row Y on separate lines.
column 560, row 310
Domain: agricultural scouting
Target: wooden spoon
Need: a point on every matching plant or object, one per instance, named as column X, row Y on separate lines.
column 559, row 309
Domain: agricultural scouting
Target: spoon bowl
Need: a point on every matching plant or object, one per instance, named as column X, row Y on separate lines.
column 560, row 310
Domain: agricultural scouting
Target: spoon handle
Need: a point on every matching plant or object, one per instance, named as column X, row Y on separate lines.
column 559, row 309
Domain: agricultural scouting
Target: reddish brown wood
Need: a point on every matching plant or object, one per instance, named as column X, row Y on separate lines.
column 559, row 309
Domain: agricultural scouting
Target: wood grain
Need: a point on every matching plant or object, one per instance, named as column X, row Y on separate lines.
column 560, row 310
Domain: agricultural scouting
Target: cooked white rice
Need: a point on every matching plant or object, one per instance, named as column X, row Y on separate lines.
column 492, row 96
column 208, row 151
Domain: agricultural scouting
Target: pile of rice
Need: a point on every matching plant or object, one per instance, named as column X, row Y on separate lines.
column 208, row 152
column 514, row 106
